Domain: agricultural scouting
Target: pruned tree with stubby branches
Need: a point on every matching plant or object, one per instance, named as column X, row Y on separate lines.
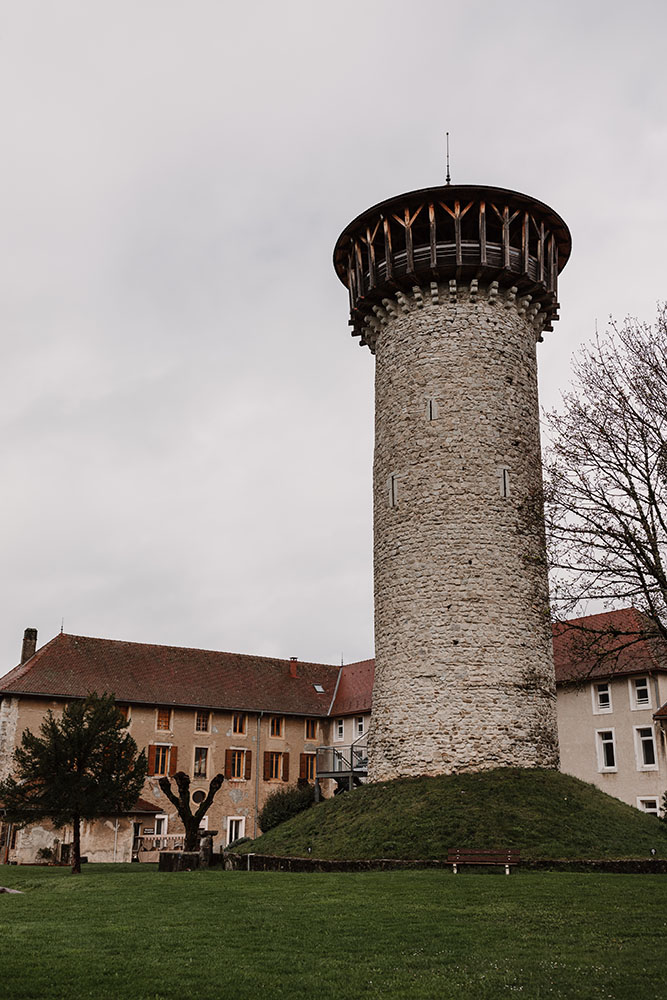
column 606, row 481
column 81, row 766
column 191, row 821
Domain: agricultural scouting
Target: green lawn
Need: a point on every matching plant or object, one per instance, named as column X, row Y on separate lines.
column 125, row 932
column 544, row 814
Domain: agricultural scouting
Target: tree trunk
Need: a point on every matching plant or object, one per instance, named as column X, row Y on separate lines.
column 76, row 846
column 191, row 835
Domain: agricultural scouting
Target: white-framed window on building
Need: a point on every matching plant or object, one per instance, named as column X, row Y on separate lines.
column 601, row 698
column 645, row 748
column 640, row 693
column 339, row 730
column 359, row 725
column 201, row 762
column 160, row 827
column 235, row 829
column 202, row 720
column 648, row 804
column 606, row 749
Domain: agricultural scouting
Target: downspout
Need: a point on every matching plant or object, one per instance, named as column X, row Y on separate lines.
column 259, row 733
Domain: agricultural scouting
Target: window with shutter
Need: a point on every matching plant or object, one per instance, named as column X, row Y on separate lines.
column 238, row 765
column 248, row 764
column 173, row 760
column 276, row 766
column 228, row 763
column 308, row 766
column 151, row 759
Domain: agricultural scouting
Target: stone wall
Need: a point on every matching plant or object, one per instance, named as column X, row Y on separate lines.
column 464, row 670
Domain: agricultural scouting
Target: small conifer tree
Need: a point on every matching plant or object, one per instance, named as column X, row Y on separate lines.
column 81, row 766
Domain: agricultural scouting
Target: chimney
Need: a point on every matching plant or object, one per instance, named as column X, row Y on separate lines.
column 29, row 644
column 292, row 665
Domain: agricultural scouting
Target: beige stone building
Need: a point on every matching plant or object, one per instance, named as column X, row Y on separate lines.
column 266, row 723
column 612, row 707
column 257, row 720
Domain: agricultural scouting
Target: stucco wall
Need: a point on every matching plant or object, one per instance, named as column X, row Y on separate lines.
column 579, row 723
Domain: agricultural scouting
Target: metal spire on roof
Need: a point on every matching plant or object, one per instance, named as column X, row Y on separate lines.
column 448, row 179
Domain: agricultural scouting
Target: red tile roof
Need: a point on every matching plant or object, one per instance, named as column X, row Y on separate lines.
column 71, row 666
column 354, row 693
column 142, row 806
column 612, row 643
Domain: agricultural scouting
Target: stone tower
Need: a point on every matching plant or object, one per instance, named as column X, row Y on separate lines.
column 450, row 288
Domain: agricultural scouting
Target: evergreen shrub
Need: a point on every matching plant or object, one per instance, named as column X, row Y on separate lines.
column 284, row 803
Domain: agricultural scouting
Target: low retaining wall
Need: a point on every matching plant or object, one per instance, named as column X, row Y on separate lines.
column 270, row 863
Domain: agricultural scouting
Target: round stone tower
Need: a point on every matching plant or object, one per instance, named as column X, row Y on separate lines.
column 450, row 288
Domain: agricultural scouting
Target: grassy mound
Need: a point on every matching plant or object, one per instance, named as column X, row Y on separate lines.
column 544, row 814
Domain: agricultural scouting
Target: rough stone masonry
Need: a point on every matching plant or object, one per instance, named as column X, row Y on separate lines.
column 464, row 668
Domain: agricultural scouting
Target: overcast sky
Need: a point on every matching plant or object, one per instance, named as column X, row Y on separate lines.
column 186, row 423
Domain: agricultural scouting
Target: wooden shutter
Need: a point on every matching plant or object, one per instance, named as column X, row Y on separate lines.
column 285, row 767
column 267, row 765
column 303, row 766
column 229, row 756
column 248, row 765
column 151, row 759
column 173, row 760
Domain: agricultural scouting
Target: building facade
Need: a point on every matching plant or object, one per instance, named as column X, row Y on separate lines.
column 266, row 724
column 612, row 706
column 257, row 720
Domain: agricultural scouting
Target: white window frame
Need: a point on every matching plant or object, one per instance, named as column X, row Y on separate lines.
column 234, row 819
column 642, row 799
column 602, row 767
column 165, row 820
column 359, row 725
column 200, row 777
column 639, row 753
column 203, row 823
column 597, row 707
column 339, row 730
column 632, row 687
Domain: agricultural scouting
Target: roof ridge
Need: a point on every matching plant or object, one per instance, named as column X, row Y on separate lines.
column 196, row 649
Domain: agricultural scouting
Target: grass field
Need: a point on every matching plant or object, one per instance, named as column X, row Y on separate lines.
column 544, row 814
column 130, row 932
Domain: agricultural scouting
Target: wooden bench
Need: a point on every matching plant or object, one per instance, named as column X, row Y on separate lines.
column 469, row 856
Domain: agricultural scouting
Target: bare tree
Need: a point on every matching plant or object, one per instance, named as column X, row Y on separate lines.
column 190, row 820
column 606, row 481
